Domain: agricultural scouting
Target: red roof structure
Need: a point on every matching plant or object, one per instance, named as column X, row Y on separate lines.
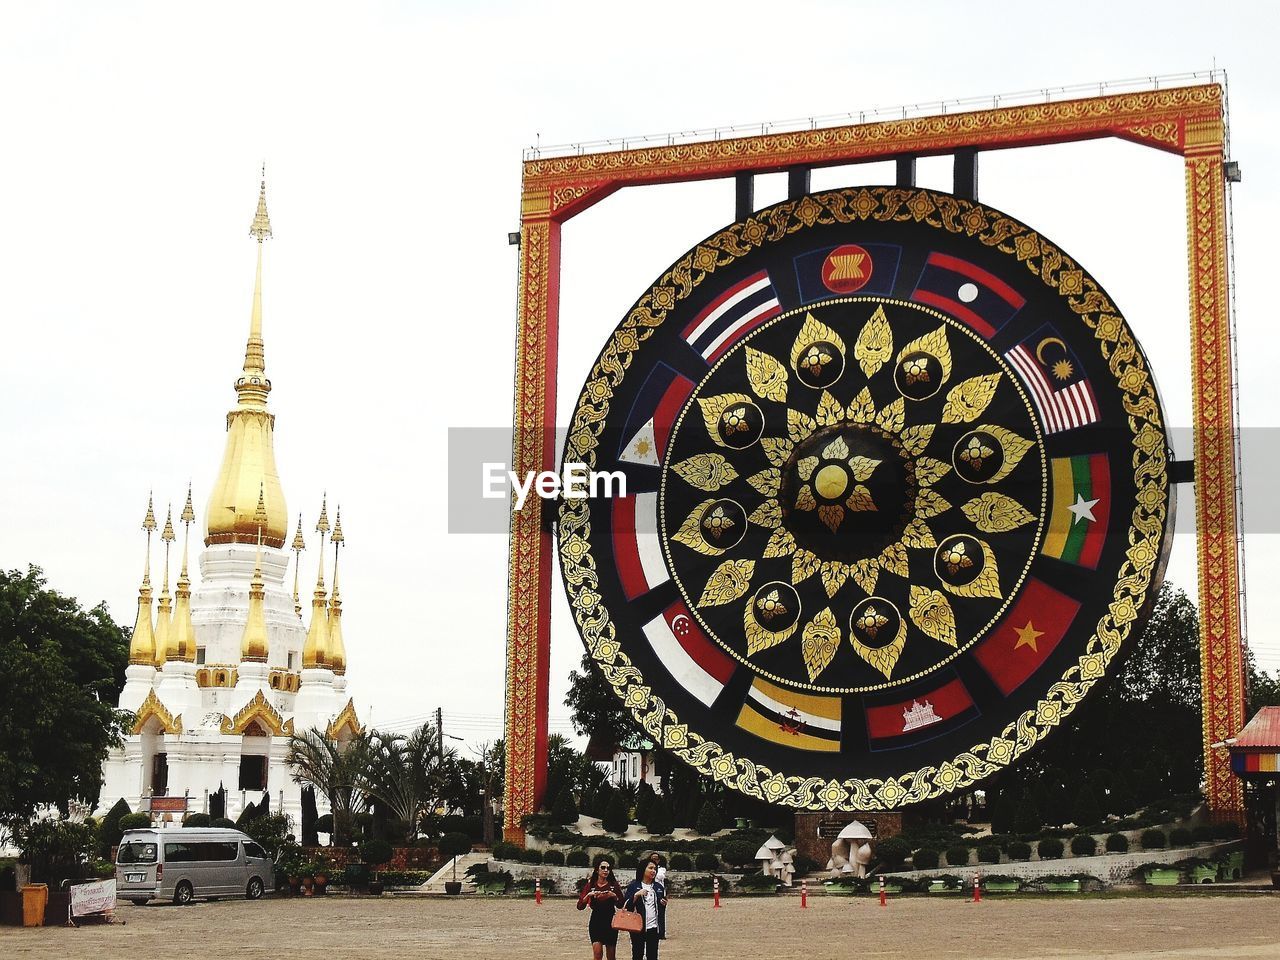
column 1256, row 749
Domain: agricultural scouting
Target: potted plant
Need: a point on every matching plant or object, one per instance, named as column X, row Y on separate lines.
column 324, row 867
column 375, row 852
column 1161, row 875
column 488, row 881
column 308, row 872
column 998, row 883
column 454, row 845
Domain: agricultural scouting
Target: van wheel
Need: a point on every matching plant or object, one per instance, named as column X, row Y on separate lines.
column 254, row 890
column 183, row 893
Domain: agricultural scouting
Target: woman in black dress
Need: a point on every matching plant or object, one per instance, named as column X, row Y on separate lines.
column 603, row 895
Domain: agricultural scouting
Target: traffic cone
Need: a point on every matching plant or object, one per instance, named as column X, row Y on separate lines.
column 804, row 894
column 716, row 903
column 883, row 901
column 537, row 891
column 977, row 888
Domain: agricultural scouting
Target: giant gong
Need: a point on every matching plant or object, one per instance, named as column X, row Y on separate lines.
column 896, row 497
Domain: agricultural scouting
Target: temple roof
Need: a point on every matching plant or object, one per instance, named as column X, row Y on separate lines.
column 1262, row 732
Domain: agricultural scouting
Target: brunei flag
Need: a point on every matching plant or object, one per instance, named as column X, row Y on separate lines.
column 864, row 268
column 802, row 721
column 648, row 425
column 1023, row 640
column 967, row 292
column 1081, row 506
column 693, row 661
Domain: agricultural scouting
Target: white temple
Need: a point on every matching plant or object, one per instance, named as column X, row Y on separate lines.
column 225, row 673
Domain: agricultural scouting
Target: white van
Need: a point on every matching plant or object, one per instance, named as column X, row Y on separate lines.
column 182, row 863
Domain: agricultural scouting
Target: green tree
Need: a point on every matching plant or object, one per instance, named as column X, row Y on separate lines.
column 65, row 667
column 710, row 819
column 1086, row 812
column 339, row 771
column 564, row 810
column 616, row 815
column 659, row 821
column 1264, row 688
column 407, row 775
column 594, row 708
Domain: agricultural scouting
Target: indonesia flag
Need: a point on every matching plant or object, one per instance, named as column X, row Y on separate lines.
column 1023, row 640
column 693, row 660
column 733, row 315
column 636, row 544
column 967, row 292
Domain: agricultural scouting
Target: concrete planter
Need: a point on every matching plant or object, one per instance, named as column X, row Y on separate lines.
column 1061, row 886
column 1205, row 874
column 937, row 886
column 1163, row 878
column 1001, row 886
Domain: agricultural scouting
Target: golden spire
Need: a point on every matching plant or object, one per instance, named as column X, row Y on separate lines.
column 142, row 645
column 249, row 459
column 164, row 615
column 182, row 635
column 253, row 645
column 315, row 651
column 337, row 648
column 298, row 546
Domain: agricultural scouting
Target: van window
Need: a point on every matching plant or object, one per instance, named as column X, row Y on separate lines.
column 136, row 852
column 253, row 850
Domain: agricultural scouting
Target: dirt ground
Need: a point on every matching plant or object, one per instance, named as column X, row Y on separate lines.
column 335, row 928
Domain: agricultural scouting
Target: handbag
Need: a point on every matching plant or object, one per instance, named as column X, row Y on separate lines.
column 627, row 920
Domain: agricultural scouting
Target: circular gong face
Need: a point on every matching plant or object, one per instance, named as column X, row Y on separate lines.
column 895, row 498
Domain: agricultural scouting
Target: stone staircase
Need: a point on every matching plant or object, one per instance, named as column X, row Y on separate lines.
column 445, row 873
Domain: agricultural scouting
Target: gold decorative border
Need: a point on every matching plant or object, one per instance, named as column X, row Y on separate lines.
column 1146, row 533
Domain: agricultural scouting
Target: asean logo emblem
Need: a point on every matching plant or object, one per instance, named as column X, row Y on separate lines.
column 846, row 269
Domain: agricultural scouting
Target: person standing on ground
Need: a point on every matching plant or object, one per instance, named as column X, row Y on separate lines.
column 603, row 895
column 660, row 862
column 645, row 894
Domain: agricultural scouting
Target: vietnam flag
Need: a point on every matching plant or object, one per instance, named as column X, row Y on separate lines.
column 1023, row 640
column 1081, row 502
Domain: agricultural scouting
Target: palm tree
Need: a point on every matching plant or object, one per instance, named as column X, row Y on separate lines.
column 337, row 769
column 407, row 774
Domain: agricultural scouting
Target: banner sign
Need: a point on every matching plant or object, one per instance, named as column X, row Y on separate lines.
column 89, row 898
column 168, row 804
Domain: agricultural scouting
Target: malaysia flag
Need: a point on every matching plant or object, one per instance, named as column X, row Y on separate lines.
column 967, row 292
column 1056, row 379
column 692, row 659
column 732, row 315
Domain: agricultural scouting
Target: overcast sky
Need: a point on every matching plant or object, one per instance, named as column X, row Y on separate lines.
column 393, row 136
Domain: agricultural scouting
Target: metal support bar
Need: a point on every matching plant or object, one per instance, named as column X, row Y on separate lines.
column 1182, row 471
column 966, row 174
column 744, row 204
column 798, row 182
column 906, row 176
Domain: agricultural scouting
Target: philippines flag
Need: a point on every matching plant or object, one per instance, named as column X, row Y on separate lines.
column 967, row 292
column 693, row 660
column 732, row 315
column 1056, row 379
column 636, row 545
column 1020, row 643
column 648, row 425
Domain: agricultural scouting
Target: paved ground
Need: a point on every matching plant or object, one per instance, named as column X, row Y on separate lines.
column 1135, row 928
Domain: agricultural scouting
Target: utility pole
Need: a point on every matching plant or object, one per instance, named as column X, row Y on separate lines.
column 440, row 734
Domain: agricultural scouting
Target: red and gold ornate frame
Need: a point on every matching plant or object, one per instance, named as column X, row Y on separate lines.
column 1188, row 121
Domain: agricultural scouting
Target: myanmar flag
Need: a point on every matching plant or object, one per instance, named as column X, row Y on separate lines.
column 1023, row 640
column 1081, row 504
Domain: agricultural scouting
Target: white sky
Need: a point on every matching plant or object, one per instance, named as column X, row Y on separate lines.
column 393, row 137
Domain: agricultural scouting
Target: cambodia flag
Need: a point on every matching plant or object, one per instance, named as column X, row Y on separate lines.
column 1023, row 640
column 921, row 712
column 967, row 292
column 693, row 660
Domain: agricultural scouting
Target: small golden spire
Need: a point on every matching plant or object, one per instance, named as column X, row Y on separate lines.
column 337, row 647
column 298, row 546
column 182, row 635
column 164, row 613
column 253, row 386
column 315, row 650
column 142, row 645
column 253, row 645
column 261, row 226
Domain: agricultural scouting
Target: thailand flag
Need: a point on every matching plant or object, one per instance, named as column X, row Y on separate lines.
column 636, row 544
column 967, row 292
column 693, row 660
column 732, row 315
column 1056, row 380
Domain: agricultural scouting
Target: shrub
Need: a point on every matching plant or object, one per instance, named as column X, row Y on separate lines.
column 1086, row 811
column 134, row 821
column 925, row 859
column 375, row 851
column 758, row 881
column 109, row 829
column 893, row 851
column 271, row 830
column 988, row 853
column 1083, row 845
column 226, row 823
column 505, row 851
column 1019, row 850
column 616, row 818
column 1179, row 837
column 957, row 856
column 1117, row 843
column 578, row 858
column 57, row 850
column 554, row 858
column 1003, row 810
column 1202, row 833
column 644, row 802
column 707, row 861
column 660, row 822
column 531, row 856
column 738, row 853
column 564, row 810
column 1049, row 848
column 1153, row 839
column 681, row 861
column 710, row 819
column 805, row 865
column 197, row 820
column 1225, row 831
column 1027, row 818
column 1121, row 800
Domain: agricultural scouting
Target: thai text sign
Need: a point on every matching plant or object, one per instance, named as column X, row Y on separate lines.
column 88, row 898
